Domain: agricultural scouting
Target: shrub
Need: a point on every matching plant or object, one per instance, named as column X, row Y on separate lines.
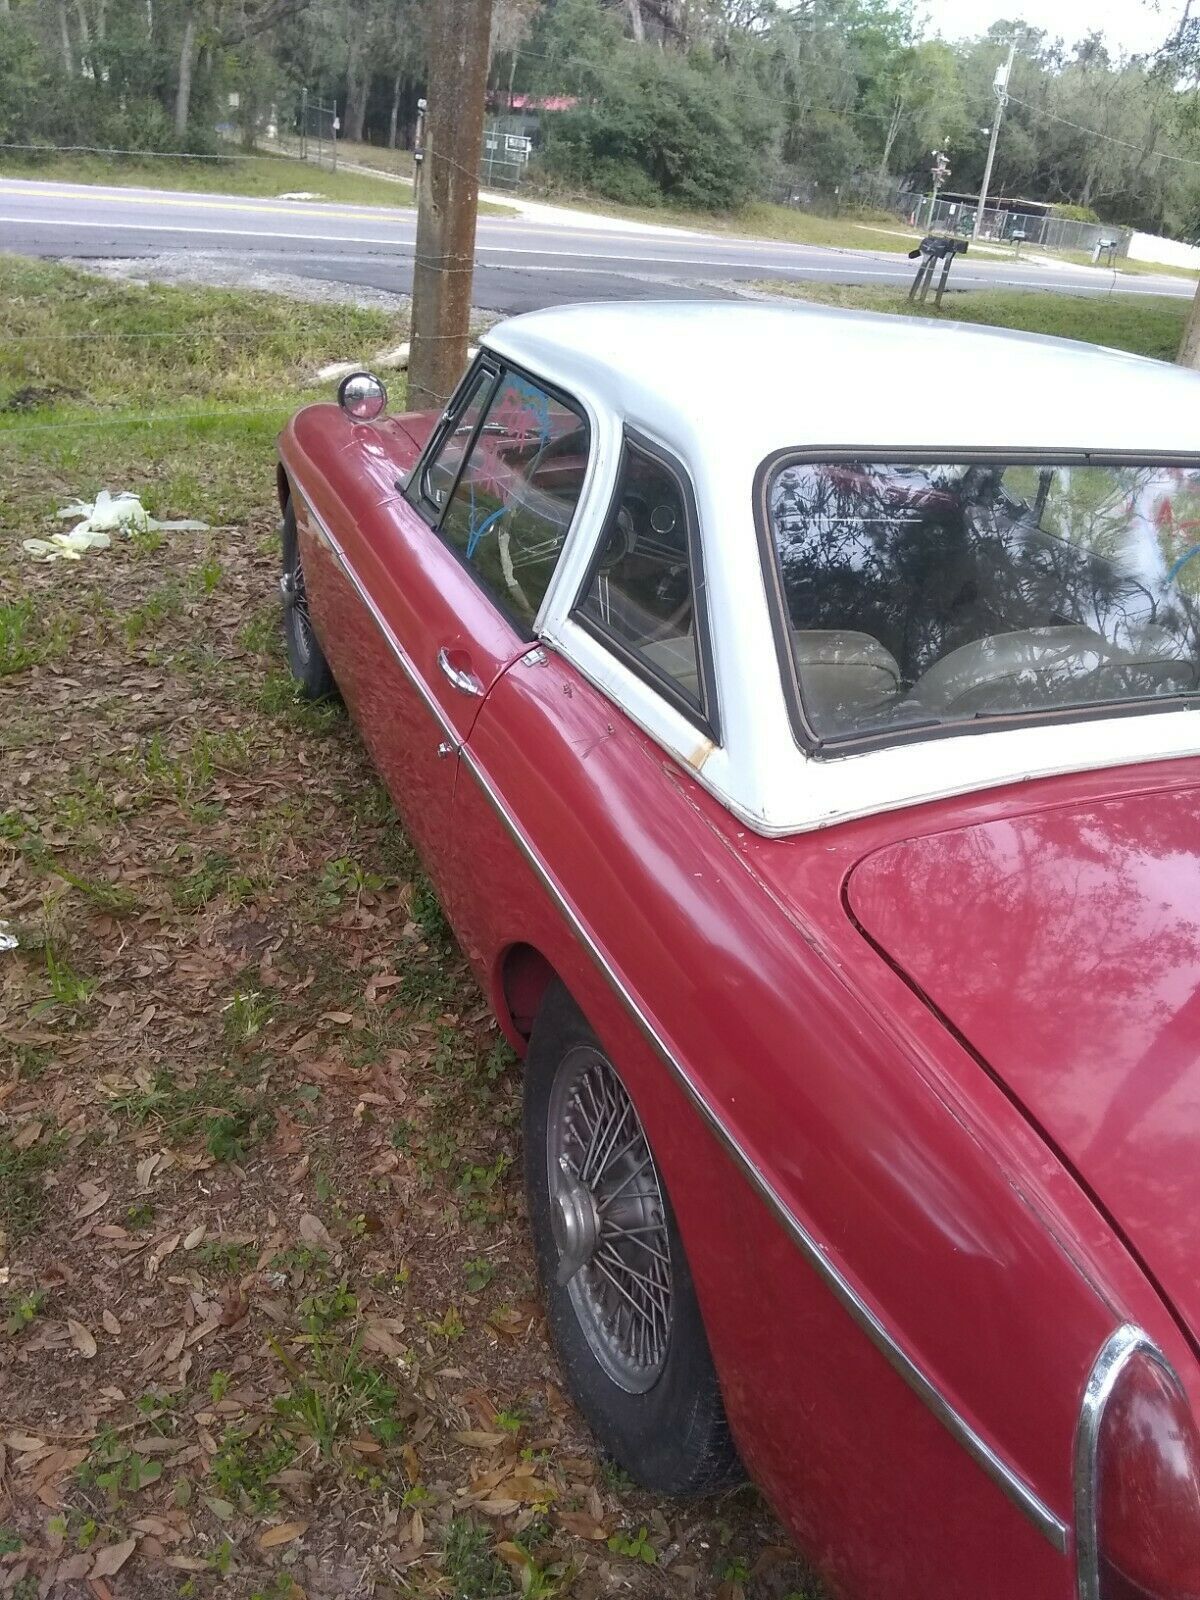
column 662, row 127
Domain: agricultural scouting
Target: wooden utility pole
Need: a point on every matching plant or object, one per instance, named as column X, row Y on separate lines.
column 1189, row 349
column 449, row 200
column 1000, row 88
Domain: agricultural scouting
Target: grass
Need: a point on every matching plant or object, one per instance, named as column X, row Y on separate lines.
column 1142, row 324
column 1123, row 265
column 28, row 638
column 262, row 176
column 97, row 378
column 23, row 1171
column 76, row 343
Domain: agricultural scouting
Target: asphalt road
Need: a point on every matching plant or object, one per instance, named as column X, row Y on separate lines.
column 521, row 262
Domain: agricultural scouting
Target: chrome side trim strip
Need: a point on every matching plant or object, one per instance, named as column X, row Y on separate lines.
column 1115, row 1354
column 1017, row 1490
column 377, row 617
column 1009, row 1481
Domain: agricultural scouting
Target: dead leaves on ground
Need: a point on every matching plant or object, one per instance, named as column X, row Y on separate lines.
column 264, row 1135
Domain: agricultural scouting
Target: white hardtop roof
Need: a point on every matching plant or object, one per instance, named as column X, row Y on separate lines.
column 745, row 379
column 726, row 385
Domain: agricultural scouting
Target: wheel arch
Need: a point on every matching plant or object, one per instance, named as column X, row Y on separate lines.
column 521, row 976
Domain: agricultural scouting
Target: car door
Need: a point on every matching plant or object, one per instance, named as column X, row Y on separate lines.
column 453, row 575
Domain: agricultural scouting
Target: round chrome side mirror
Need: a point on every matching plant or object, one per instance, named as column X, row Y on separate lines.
column 362, row 396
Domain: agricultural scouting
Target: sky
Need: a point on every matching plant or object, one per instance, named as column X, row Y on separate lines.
column 1129, row 25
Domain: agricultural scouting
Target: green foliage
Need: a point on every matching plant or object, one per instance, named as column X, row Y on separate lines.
column 22, row 1180
column 635, row 1546
column 244, row 1465
column 1075, row 213
column 22, row 1309
column 474, row 1572
column 29, row 637
column 116, row 1468
column 1144, row 324
column 668, row 128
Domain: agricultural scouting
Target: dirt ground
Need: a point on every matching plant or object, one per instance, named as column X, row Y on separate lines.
column 268, row 1321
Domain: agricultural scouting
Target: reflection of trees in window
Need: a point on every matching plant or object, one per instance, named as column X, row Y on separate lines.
column 516, row 497
column 927, row 559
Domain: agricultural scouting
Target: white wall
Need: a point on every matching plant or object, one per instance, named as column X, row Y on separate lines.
column 1168, row 252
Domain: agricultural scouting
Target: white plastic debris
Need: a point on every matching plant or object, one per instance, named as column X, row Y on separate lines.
column 300, row 194
column 107, row 514
column 337, row 369
column 392, row 359
column 66, row 546
column 8, row 939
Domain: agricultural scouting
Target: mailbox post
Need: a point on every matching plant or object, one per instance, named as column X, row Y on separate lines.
column 934, row 247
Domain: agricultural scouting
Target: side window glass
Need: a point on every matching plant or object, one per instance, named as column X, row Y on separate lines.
column 516, row 497
column 438, row 481
column 641, row 592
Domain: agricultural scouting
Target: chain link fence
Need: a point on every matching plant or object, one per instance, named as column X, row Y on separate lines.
column 926, row 214
column 305, row 126
column 507, row 146
column 1021, row 229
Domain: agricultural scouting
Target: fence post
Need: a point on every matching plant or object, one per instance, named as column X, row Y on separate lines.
column 304, row 124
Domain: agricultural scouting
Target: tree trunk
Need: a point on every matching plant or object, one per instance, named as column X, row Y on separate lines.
column 357, row 80
column 183, row 92
column 395, row 117
column 637, row 22
column 893, row 130
column 445, row 248
column 356, row 106
column 1189, row 349
column 64, row 36
column 512, row 72
column 85, row 36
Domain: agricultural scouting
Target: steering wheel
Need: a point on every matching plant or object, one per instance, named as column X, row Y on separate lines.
column 551, row 512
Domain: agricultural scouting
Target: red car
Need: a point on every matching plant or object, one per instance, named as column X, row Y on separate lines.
column 813, row 780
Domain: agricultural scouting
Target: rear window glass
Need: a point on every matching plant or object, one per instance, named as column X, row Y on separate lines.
column 919, row 595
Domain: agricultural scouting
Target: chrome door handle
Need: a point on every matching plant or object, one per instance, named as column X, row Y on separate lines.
column 464, row 682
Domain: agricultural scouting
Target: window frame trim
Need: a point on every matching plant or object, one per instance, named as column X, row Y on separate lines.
column 706, row 716
column 455, row 407
column 498, row 366
column 826, row 747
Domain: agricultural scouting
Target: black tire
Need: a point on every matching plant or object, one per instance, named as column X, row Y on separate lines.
column 673, row 1437
column 305, row 656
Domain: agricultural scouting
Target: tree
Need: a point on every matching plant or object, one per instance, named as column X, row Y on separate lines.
column 1179, row 61
column 665, row 127
column 225, row 24
column 916, row 102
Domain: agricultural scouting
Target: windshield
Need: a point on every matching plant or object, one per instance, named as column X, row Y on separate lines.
column 918, row 595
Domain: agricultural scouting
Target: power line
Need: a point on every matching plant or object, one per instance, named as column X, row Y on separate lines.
column 106, row 150
column 1094, row 133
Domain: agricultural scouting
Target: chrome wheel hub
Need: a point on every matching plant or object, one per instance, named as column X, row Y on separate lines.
column 609, row 1221
column 575, row 1221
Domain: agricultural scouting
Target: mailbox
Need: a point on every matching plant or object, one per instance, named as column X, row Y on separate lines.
column 934, row 247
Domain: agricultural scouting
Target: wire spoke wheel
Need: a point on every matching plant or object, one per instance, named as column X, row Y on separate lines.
column 609, row 1221
column 295, row 605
